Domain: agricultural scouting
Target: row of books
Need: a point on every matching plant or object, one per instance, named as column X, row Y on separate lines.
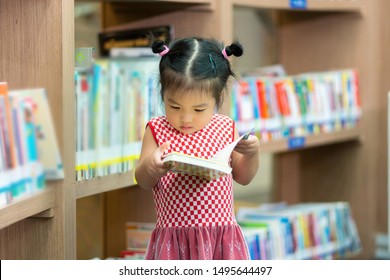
column 28, row 148
column 300, row 231
column 115, row 99
column 299, row 105
column 138, row 235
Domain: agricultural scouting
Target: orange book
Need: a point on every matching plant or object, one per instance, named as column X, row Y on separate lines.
column 6, row 127
column 263, row 104
column 282, row 98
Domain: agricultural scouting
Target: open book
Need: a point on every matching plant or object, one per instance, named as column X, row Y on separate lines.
column 208, row 169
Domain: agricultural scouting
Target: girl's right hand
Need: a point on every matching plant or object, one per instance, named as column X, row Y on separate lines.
column 156, row 167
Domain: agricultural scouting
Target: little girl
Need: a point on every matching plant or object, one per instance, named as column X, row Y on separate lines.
column 195, row 217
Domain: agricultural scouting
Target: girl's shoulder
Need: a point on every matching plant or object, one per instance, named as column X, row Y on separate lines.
column 158, row 120
column 222, row 118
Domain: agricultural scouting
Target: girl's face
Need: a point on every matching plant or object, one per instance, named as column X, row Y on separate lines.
column 189, row 112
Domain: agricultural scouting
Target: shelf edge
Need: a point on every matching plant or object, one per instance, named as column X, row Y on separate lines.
column 27, row 207
column 312, row 5
column 312, row 141
column 103, row 184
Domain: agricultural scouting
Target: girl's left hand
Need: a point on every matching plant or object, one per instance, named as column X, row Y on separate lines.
column 249, row 146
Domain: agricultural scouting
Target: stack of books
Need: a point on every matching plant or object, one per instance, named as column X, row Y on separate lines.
column 137, row 239
column 301, row 231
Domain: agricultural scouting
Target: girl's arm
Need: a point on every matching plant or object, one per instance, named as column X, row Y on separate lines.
column 150, row 167
column 245, row 159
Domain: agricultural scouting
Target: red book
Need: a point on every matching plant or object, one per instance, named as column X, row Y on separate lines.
column 261, row 94
column 282, row 98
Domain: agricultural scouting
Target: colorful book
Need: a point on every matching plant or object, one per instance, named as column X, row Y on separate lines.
column 208, row 169
column 46, row 140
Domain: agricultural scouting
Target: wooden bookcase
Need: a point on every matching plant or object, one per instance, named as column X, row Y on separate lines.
column 348, row 166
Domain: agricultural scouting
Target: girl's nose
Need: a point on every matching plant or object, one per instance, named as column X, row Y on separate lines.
column 186, row 118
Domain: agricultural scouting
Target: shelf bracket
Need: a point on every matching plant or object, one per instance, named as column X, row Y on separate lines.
column 49, row 213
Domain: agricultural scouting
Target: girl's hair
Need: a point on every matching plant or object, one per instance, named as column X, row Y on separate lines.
column 195, row 63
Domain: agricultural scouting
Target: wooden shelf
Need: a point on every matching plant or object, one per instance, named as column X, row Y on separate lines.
column 27, row 207
column 312, row 5
column 103, row 184
column 311, row 141
column 153, row 6
column 179, row 2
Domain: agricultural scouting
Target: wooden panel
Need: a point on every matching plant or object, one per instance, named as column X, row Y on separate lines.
column 311, row 52
column 120, row 12
column 67, row 198
column 287, row 177
column 91, row 227
column 31, row 239
column 125, row 205
column 382, row 192
column 207, row 23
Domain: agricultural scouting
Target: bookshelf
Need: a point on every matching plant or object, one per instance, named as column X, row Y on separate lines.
column 341, row 166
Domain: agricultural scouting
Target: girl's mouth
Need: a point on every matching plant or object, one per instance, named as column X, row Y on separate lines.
column 185, row 128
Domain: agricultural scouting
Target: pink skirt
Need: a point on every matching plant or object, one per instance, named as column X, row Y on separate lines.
column 198, row 243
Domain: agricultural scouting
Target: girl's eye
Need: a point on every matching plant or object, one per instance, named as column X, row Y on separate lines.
column 175, row 107
column 199, row 110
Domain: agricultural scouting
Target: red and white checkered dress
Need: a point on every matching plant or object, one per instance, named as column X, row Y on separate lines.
column 195, row 217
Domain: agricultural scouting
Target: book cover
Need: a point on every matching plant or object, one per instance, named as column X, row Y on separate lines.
column 46, row 141
column 24, row 165
column 29, row 165
column 208, row 169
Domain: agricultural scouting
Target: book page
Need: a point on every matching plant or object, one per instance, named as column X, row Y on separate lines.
column 224, row 154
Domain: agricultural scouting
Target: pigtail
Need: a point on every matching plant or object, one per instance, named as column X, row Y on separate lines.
column 235, row 49
column 159, row 47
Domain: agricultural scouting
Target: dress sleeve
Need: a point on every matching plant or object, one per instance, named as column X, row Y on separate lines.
column 233, row 130
column 151, row 124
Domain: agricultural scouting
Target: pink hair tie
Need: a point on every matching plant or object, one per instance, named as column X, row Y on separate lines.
column 165, row 51
column 224, row 53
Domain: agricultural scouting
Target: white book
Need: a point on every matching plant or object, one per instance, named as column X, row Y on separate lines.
column 208, row 169
column 131, row 52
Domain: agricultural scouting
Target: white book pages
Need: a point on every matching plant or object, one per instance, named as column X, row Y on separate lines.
column 224, row 154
